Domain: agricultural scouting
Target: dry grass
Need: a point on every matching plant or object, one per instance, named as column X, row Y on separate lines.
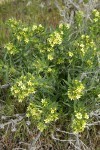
column 39, row 12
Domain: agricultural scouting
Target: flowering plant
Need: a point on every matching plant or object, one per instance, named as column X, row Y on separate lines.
column 56, row 73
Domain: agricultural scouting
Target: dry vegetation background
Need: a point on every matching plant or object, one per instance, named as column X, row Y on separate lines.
column 49, row 13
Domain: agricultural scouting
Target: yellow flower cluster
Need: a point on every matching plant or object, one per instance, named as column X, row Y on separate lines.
column 20, row 32
column 44, row 113
column 55, row 39
column 86, row 45
column 13, row 23
column 61, row 26
column 86, row 49
column 98, row 95
column 22, row 35
column 76, row 90
column 41, row 126
column 23, row 87
column 37, row 28
column 34, row 27
column 70, row 54
column 50, row 49
column 49, row 70
column 80, row 120
column 96, row 15
column 34, row 111
column 50, row 56
column 44, row 102
column 78, row 115
column 11, row 49
column 51, row 117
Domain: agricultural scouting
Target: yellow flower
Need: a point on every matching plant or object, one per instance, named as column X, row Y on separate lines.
column 83, row 125
column 16, row 91
column 67, row 26
column 19, row 38
column 23, row 87
column 26, row 40
column 82, row 36
column 86, row 116
column 53, row 110
column 49, row 70
column 61, row 25
column 83, row 51
column 41, row 126
column 96, row 13
column 76, row 90
column 89, row 62
column 95, row 19
column 87, row 36
column 25, row 29
column 12, row 89
column 78, row 116
column 50, row 57
column 98, row 95
column 61, row 32
column 82, row 45
column 20, row 83
column 55, row 39
column 34, row 27
column 47, row 120
column 70, row 54
column 50, row 49
column 44, row 102
column 29, row 82
column 40, row 25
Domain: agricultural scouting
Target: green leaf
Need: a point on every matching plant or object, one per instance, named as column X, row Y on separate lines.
column 67, row 83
